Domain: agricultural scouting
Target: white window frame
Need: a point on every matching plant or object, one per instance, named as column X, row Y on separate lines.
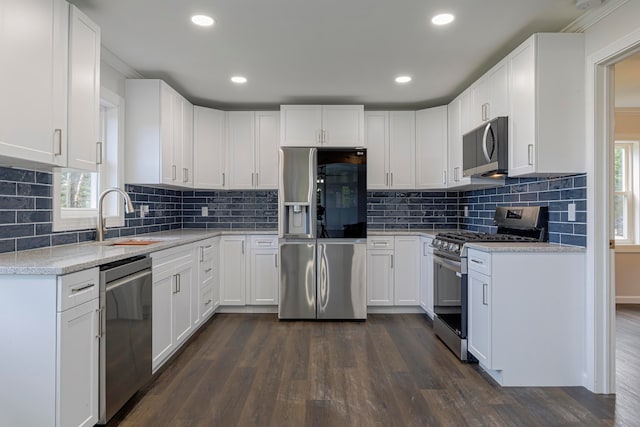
column 631, row 191
column 112, row 136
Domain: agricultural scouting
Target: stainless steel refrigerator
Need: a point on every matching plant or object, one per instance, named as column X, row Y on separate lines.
column 322, row 233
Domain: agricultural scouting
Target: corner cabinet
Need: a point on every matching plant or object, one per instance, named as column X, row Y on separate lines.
column 57, row 366
column 159, row 134
column 546, row 107
column 521, row 303
column 431, row 148
column 322, row 125
column 390, row 139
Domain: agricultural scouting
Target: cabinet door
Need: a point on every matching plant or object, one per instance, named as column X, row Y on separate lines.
column 232, row 270
column 264, row 276
column 241, row 160
column 426, row 276
column 162, row 315
column 479, row 330
column 377, row 143
column 168, row 105
column 454, row 139
column 186, row 144
column 267, row 144
column 77, row 365
column 33, row 80
column 343, row 125
column 406, row 271
column 84, row 92
column 300, row 125
column 479, row 102
column 431, row 148
column 184, row 279
column 402, row 149
column 380, row 277
column 498, row 91
column 209, row 148
column 522, row 118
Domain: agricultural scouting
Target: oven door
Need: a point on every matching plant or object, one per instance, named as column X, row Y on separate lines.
column 447, row 282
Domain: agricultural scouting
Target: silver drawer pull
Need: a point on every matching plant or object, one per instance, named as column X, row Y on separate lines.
column 82, row 288
column 475, row 261
column 207, row 270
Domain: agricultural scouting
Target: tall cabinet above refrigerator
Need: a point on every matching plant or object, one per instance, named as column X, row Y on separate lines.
column 322, row 230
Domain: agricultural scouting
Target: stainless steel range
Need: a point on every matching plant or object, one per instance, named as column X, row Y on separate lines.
column 515, row 224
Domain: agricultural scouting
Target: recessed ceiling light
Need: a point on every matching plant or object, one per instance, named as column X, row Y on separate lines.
column 202, row 20
column 403, row 79
column 238, row 79
column 442, row 19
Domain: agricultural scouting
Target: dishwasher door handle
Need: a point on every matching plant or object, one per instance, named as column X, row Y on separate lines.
column 117, row 283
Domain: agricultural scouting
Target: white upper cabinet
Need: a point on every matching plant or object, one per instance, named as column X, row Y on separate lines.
column 431, row 148
column 546, row 107
column 391, row 147
column 84, row 140
column 209, row 148
column 252, row 149
column 159, row 134
column 322, row 125
column 33, row 80
column 489, row 97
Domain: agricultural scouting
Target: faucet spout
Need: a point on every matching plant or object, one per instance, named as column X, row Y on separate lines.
column 101, row 229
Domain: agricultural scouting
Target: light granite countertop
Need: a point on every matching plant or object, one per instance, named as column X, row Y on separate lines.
column 424, row 233
column 67, row 259
column 523, row 247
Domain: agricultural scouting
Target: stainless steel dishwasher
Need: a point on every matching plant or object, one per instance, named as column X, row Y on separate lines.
column 125, row 325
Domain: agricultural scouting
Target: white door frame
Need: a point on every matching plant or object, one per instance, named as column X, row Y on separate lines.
column 600, row 300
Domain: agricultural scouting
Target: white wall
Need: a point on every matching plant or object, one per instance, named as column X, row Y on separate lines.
column 628, row 277
column 618, row 24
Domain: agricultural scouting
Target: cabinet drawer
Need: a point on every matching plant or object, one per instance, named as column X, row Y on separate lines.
column 380, row 242
column 261, row 242
column 77, row 288
column 479, row 261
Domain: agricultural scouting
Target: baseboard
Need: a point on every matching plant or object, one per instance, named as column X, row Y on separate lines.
column 394, row 310
column 248, row 309
column 628, row 300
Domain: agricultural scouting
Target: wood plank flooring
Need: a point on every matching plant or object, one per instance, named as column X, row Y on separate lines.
column 628, row 364
column 253, row 370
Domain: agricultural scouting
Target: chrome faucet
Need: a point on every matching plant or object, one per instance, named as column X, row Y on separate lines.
column 101, row 228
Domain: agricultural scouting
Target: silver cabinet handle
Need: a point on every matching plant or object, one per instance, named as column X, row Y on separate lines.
column 252, row 179
column 324, row 136
column 223, row 179
column 319, row 136
column 99, row 314
column 173, row 172
column 485, row 288
column 201, row 253
column 456, row 173
column 530, row 154
column 82, row 288
column 179, row 283
column 257, row 181
column 275, row 257
column 185, row 175
column 243, row 246
column 175, row 283
column 444, row 177
column 391, row 260
column 98, row 153
column 57, row 133
column 386, row 179
column 207, row 270
column 475, row 261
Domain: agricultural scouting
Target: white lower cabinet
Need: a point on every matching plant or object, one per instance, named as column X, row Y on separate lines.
column 426, row 275
column 526, row 316
column 49, row 366
column 233, row 273
column 173, row 279
column 263, row 270
column 393, row 271
column 207, row 253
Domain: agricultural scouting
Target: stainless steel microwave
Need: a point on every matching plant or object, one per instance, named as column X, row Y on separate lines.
column 484, row 149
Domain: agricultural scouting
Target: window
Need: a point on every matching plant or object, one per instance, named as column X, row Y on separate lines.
column 625, row 191
column 75, row 201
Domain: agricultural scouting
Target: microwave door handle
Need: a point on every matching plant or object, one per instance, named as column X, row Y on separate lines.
column 484, row 142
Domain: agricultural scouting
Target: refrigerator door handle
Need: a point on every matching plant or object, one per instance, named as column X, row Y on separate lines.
column 323, row 285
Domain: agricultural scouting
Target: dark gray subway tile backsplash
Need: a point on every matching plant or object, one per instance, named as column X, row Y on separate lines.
column 26, row 209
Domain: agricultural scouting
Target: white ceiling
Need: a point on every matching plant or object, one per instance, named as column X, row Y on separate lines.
column 320, row 51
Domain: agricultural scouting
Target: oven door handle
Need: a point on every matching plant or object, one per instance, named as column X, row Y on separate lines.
column 450, row 264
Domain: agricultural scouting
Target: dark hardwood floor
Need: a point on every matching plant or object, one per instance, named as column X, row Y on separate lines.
column 253, row 370
column 628, row 364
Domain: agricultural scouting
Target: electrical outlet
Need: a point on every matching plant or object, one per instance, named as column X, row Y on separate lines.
column 144, row 209
column 571, row 212
column 205, row 211
column 466, row 211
